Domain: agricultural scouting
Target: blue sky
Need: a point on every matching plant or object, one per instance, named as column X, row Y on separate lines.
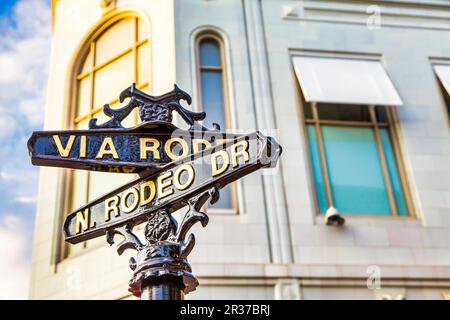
column 25, row 31
column 6, row 6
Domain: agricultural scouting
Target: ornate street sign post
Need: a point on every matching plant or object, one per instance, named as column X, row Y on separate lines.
column 179, row 170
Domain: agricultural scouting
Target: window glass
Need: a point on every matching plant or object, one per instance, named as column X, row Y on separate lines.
column 362, row 172
column 210, row 53
column 143, row 64
column 103, row 182
column 78, row 199
column 143, row 31
column 115, row 40
column 316, row 168
column 212, row 98
column 393, row 173
column 225, row 200
column 101, row 117
column 307, row 112
column 343, row 112
column 84, row 96
column 355, row 173
column 79, row 196
column 82, row 125
column 112, row 79
column 380, row 113
column 87, row 65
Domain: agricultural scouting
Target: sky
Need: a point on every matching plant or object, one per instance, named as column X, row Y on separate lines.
column 25, row 32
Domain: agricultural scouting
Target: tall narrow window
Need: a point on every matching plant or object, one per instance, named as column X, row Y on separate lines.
column 118, row 56
column 214, row 99
column 354, row 160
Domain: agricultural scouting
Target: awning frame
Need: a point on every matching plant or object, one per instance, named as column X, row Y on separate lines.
column 313, row 73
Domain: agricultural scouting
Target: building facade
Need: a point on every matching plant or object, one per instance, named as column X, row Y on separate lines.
column 356, row 92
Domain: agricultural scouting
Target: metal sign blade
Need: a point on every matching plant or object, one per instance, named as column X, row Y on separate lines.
column 119, row 150
column 171, row 186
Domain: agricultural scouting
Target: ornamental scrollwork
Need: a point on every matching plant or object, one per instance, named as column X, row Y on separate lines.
column 152, row 109
column 167, row 244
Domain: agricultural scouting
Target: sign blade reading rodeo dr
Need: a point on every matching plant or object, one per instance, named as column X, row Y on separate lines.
column 172, row 186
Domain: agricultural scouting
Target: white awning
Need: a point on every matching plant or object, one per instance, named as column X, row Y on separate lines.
column 443, row 73
column 346, row 81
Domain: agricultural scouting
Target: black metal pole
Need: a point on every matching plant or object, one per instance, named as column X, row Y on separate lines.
column 167, row 290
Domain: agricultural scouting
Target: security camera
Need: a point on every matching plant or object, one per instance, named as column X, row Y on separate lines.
column 333, row 218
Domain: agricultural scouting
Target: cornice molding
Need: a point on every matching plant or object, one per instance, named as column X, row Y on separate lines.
column 432, row 4
column 417, row 14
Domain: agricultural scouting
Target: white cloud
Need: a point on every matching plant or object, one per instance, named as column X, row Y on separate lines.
column 7, row 124
column 32, row 109
column 24, row 55
column 15, row 261
column 26, row 199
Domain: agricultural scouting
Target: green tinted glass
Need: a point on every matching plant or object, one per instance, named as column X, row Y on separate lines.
column 355, row 173
column 316, row 168
column 393, row 173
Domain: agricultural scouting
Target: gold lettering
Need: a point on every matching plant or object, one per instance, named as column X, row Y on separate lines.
column 114, row 169
column 82, row 220
column 83, row 147
column 151, row 185
column 242, row 153
column 196, row 143
column 168, row 148
column 190, row 178
column 134, row 204
column 111, row 204
column 64, row 152
column 152, row 148
column 127, row 169
column 164, row 184
column 224, row 165
column 107, row 142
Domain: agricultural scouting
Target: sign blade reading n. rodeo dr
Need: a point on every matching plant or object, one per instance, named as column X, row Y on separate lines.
column 171, row 186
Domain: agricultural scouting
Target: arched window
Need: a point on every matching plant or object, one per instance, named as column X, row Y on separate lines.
column 117, row 56
column 213, row 99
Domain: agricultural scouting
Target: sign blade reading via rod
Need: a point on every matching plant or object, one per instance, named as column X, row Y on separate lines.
column 122, row 151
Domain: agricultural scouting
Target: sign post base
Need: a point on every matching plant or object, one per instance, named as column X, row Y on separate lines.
column 162, row 291
column 161, row 270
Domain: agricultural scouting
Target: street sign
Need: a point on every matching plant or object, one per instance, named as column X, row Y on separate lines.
column 120, row 150
column 110, row 147
column 177, row 169
column 171, row 186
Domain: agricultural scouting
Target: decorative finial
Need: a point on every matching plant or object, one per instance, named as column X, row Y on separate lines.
column 108, row 4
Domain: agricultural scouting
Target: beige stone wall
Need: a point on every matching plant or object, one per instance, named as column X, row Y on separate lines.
column 88, row 275
column 277, row 247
